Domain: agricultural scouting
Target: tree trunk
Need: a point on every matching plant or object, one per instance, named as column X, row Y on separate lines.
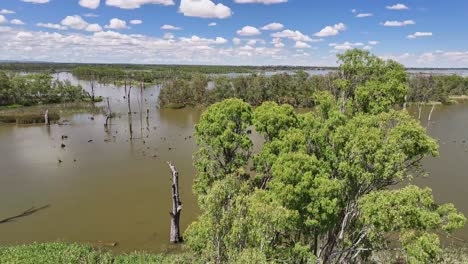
column 109, row 112
column 176, row 206
column 46, row 117
column 430, row 114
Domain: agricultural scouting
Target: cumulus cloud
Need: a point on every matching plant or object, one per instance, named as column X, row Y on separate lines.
column 136, row 22
column 420, row 34
column 397, row 7
column 301, row 45
column 212, row 24
column 168, row 35
column 273, row 26
column 116, row 23
column 6, row 12
column 277, row 43
column 266, row 2
column 74, row 22
column 399, row 23
column 373, row 42
column 50, row 25
column 361, row 15
column 204, row 9
column 91, row 4
column 36, row 1
column 16, row 22
column 248, row 31
column 3, row 20
column 170, row 27
column 294, row 35
column 93, row 28
column 331, row 30
column 346, row 45
column 133, row 4
column 236, row 41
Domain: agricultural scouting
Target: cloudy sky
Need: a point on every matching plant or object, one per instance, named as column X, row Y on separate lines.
column 429, row 33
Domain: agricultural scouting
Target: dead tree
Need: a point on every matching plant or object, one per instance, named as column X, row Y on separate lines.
column 46, row 117
column 176, row 206
column 109, row 113
column 430, row 114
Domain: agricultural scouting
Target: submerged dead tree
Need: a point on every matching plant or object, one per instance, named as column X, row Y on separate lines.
column 176, row 206
column 109, row 113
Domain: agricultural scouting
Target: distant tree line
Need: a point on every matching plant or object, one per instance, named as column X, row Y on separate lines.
column 36, row 89
column 296, row 89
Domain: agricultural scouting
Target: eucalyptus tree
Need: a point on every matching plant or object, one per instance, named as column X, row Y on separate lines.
column 323, row 186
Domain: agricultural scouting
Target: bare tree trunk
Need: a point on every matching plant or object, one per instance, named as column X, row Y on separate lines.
column 46, row 117
column 176, row 206
column 404, row 104
column 430, row 114
column 109, row 112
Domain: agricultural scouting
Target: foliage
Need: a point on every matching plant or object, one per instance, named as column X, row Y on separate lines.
column 320, row 186
column 36, row 89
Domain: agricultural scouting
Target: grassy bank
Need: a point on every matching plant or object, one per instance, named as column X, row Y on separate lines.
column 58, row 252
column 35, row 114
column 75, row 253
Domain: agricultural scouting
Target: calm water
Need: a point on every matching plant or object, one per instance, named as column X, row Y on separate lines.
column 113, row 189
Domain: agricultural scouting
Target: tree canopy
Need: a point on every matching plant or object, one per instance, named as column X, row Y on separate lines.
column 327, row 185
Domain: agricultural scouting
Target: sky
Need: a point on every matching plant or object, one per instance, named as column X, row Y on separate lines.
column 416, row 33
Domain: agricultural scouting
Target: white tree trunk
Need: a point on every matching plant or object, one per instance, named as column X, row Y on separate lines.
column 176, row 206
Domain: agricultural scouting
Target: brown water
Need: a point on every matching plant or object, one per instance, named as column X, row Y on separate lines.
column 118, row 190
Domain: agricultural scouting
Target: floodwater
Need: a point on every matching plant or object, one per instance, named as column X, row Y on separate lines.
column 110, row 188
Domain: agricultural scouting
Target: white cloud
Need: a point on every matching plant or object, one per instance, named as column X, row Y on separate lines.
column 236, row 41
column 277, row 43
column 170, row 27
column 273, row 26
column 294, row 35
column 6, row 12
column 361, row 15
column 136, row 22
column 367, row 47
column 397, row 7
column 331, row 30
column 373, row 42
column 212, row 24
column 346, row 45
column 93, row 28
column 91, row 4
column 36, row 1
column 301, row 45
column 266, row 2
column 133, row 4
column 420, row 34
column 75, row 22
column 248, row 31
column 204, row 9
column 90, row 15
column 116, row 23
column 168, row 35
column 354, row 11
column 16, row 22
column 399, row 23
column 3, row 19
column 50, row 25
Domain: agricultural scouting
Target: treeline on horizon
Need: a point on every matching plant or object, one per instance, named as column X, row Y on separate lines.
column 295, row 89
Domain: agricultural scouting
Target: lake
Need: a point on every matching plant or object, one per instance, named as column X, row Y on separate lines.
column 110, row 188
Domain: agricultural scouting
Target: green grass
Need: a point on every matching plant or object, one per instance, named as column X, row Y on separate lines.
column 35, row 114
column 63, row 253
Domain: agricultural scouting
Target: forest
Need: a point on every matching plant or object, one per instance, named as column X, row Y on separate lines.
column 296, row 89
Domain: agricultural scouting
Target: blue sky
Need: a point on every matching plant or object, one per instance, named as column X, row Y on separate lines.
column 430, row 33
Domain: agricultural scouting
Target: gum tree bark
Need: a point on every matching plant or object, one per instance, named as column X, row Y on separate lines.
column 176, row 206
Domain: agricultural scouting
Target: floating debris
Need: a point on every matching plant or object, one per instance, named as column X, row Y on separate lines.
column 63, row 145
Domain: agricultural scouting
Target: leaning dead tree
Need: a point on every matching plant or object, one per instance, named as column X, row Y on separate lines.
column 109, row 113
column 176, row 206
